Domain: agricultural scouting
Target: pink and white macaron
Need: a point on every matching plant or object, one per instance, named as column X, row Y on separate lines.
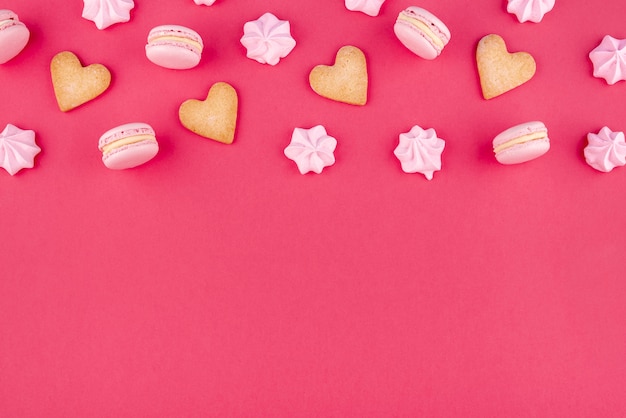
column 521, row 143
column 14, row 35
column 128, row 146
column 174, row 46
column 421, row 32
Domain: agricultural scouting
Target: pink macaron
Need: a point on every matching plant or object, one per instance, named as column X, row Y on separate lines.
column 14, row 35
column 421, row 32
column 173, row 46
column 521, row 143
column 128, row 146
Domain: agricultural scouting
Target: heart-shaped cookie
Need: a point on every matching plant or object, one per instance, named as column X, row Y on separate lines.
column 346, row 80
column 74, row 84
column 499, row 70
column 215, row 117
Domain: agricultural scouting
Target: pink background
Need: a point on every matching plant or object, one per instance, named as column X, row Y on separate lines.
column 218, row 281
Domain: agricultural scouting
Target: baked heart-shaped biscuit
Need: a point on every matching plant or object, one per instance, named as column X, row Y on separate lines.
column 499, row 70
column 346, row 80
column 215, row 117
column 74, row 84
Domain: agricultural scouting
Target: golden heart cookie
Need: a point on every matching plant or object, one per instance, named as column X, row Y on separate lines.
column 499, row 70
column 346, row 80
column 74, row 84
column 215, row 117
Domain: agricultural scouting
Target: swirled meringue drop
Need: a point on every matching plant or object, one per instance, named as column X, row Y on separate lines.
column 529, row 10
column 609, row 59
column 605, row 150
column 17, row 149
column 419, row 151
column 369, row 7
column 105, row 13
column 267, row 39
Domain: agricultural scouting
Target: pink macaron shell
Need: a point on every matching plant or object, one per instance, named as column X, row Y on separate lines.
column 527, row 151
column 414, row 39
column 171, row 54
column 13, row 37
column 130, row 156
column 6, row 14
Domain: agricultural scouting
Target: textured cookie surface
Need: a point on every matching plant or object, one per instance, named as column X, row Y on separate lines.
column 215, row 117
column 346, row 80
column 499, row 70
column 74, row 84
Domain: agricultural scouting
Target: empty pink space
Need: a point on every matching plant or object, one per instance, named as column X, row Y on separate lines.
column 216, row 280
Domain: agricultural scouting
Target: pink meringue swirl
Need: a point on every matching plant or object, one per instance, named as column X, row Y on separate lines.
column 204, row 2
column 311, row 149
column 369, row 7
column 105, row 13
column 609, row 59
column 419, row 151
column 605, row 150
column 267, row 39
column 529, row 10
column 17, row 149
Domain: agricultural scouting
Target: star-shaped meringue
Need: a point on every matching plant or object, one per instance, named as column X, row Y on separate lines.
column 369, row 7
column 204, row 2
column 609, row 59
column 529, row 10
column 605, row 150
column 17, row 149
column 419, row 151
column 105, row 13
column 267, row 39
column 311, row 149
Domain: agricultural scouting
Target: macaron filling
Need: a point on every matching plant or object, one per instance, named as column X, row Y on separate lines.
column 119, row 138
column 169, row 39
column 427, row 30
column 7, row 22
column 125, row 141
column 520, row 140
column 176, row 35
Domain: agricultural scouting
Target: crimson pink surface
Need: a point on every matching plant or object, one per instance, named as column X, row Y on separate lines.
column 216, row 280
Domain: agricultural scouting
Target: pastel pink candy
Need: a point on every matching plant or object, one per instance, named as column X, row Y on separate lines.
column 421, row 32
column 267, row 39
column 14, row 36
column 311, row 149
column 369, row 7
column 609, row 59
column 128, row 146
column 521, row 143
column 174, row 46
column 529, row 10
column 204, row 2
column 105, row 13
column 419, row 151
column 605, row 150
column 17, row 149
